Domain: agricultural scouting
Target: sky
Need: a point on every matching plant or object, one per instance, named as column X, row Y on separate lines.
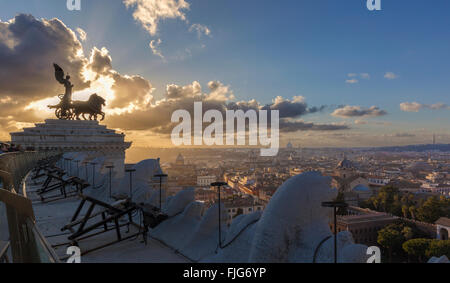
column 340, row 75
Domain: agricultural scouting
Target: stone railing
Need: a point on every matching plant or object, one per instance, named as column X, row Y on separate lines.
column 26, row 243
column 16, row 165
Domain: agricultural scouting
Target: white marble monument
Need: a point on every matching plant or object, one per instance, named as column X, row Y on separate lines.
column 75, row 136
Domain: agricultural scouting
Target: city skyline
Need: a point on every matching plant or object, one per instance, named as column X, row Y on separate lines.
column 340, row 75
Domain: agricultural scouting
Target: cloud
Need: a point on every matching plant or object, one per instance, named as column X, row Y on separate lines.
column 352, row 81
column 416, row 107
column 365, row 76
column 357, row 111
column 353, row 77
column 200, row 29
column 361, row 122
column 81, row 34
column 189, row 91
column 156, row 117
column 292, row 108
column 404, row 135
column 29, row 47
column 134, row 90
column 390, row 76
column 154, row 46
column 287, row 126
column 100, row 62
column 150, row 12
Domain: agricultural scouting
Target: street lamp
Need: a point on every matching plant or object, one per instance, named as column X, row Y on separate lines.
column 70, row 165
column 160, row 176
column 219, row 185
column 65, row 164
column 335, row 205
column 131, row 181
column 78, row 169
column 93, row 174
column 110, row 167
column 86, row 170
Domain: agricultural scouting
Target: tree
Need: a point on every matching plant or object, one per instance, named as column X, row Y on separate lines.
column 408, row 232
column 439, row 248
column 390, row 239
column 412, row 211
column 405, row 211
column 430, row 211
column 387, row 196
column 417, row 248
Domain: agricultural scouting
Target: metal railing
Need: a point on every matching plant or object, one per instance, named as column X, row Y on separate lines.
column 26, row 243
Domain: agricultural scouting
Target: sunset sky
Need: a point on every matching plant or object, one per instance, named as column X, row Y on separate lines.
column 340, row 75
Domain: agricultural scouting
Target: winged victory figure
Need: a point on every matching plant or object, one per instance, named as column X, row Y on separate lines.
column 70, row 110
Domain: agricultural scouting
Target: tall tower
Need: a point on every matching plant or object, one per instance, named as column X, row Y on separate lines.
column 434, row 139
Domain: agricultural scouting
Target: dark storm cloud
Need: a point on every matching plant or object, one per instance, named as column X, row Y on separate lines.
column 28, row 48
column 292, row 108
column 358, row 111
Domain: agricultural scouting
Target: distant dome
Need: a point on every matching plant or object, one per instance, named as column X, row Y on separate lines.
column 345, row 164
column 289, row 146
column 361, row 188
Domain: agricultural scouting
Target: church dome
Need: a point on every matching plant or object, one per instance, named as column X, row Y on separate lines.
column 345, row 164
column 361, row 188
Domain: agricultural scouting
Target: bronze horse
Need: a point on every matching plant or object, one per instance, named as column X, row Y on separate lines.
column 93, row 107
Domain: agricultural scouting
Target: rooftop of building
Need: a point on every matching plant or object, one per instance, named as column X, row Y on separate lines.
column 443, row 221
column 375, row 217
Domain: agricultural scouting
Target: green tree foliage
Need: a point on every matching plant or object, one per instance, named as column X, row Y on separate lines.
column 405, row 211
column 438, row 248
column 432, row 209
column 391, row 200
column 392, row 237
column 417, row 248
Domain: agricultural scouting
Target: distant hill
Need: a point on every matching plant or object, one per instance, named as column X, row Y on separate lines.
column 417, row 148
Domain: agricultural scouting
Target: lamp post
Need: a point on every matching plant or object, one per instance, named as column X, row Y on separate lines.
column 70, row 165
column 65, row 164
column 335, row 205
column 160, row 176
column 219, row 185
column 131, row 181
column 110, row 167
column 78, row 168
column 93, row 174
column 86, row 171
